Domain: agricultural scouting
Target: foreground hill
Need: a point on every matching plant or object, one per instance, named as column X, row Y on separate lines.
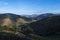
column 10, row 36
column 47, row 26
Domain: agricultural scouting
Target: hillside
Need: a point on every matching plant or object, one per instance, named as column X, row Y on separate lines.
column 42, row 16
column 13, row 22
column 12, row 19
column 47, row 26
column 17, row 27
column 13, row 27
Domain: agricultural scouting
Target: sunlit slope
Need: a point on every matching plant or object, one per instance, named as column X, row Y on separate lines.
column 11, row 22
column 7, row 22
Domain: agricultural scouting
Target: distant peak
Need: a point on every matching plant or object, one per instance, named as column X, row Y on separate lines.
column 8, row 13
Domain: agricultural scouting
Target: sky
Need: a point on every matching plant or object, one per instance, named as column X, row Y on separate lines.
column 28, row 7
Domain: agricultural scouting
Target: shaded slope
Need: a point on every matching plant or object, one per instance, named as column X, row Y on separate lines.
column 10, row 36
column 47, row 26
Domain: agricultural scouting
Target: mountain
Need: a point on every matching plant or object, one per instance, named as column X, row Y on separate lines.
column 14, row 27
column 9, row 18
column 14, row 23
column 31, row 16
column 47, row 26
column 42, row 16
column 13, row 16
column 18, row 27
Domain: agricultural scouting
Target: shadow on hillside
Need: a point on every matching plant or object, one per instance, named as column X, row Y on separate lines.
column 8, row 36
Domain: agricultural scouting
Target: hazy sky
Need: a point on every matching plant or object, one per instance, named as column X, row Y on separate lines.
column 29, row 6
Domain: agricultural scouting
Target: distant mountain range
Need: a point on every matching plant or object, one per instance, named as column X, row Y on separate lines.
column 42, row 16
column 39, row 17
column 31, row 16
